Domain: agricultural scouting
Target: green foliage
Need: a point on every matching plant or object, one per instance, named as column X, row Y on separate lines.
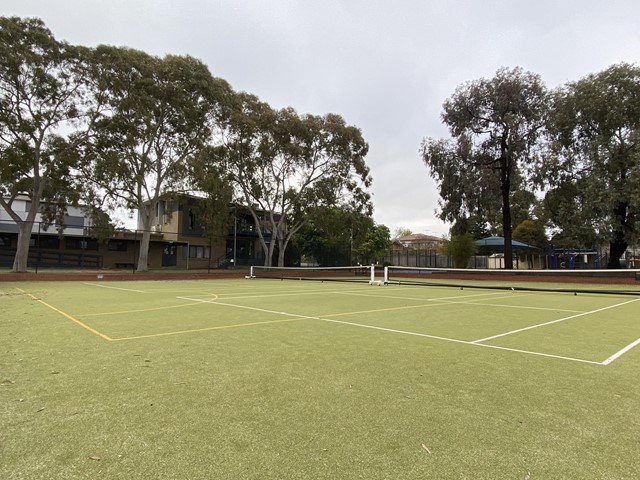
column 532, row 233
column 375, row 244
column 567, row 207
column 102, row 228
column 473, row 225
column 594, row 166
column 460, row 248
column 332, row 235
column 214, row 211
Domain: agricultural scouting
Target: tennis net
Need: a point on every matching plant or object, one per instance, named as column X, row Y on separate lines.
column 356, row 273
column 621, row 282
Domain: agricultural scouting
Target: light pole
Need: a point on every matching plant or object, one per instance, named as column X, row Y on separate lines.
column 235, row 233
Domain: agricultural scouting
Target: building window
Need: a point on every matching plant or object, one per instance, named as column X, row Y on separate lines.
column 199, row 251
column 192, row 220
column 79, row 243
column 45, row 241
column 117, row 245
column 5, row 241
column 166, row 212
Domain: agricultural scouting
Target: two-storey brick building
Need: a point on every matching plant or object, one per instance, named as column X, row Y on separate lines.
column 177, row 240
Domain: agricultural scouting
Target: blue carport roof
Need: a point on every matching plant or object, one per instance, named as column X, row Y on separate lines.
column 497, row 244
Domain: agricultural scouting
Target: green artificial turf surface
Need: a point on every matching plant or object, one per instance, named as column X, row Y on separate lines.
column 251, row 379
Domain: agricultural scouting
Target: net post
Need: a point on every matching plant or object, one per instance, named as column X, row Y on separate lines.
column 386, row 275
column 373, row 273
column 251, row 275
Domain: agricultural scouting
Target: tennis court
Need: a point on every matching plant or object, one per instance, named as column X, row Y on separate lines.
column 270, row 378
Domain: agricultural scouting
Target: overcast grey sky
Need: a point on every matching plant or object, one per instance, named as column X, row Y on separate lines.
column 385, row 66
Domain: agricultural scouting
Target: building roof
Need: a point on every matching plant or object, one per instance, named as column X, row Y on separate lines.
column 418, row 238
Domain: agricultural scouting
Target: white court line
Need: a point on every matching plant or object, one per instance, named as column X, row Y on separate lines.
column 263, row 310
column 440, row 299
column 113, row 288
column 453, row 340
column 554, row 321
column 403, row 332
column 457, row 300
column 618, row 354
column 298, row 293
column 519, row 307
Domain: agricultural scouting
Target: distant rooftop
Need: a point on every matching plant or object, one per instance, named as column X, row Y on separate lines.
column 418, row 238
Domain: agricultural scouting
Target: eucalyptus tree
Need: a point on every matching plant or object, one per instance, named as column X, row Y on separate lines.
column 281, row 164
column 495, row 126
column 594, row 171
column 159, row 119
column 44, row 99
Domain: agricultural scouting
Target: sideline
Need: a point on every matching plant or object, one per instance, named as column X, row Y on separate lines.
column 66, row 315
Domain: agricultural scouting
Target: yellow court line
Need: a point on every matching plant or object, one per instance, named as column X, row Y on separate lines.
column 120, row 312
column 222, row 327
column 389, row 309
column 75, row 320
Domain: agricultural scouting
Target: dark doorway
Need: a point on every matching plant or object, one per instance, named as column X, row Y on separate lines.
column 169, row 256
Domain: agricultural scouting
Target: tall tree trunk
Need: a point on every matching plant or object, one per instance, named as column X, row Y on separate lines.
column 268, row 261
column 21, row 259
column 505, row 189
column 617, row 248
column 143, row 254
column 148, row 218
column 618, row 244
column 508, row 247
column 26, row 225
column 20, row 262
column 282, row 246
